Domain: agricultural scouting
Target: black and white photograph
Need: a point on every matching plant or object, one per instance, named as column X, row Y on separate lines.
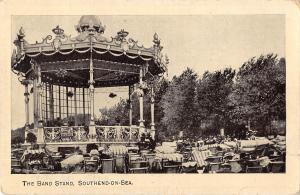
column 149, row 94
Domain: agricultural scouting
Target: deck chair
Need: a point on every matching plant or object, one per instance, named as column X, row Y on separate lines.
column 257, row 169
column 108, row 165
column 277, row 167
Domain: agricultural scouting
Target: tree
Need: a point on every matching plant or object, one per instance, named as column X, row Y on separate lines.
column 118, row 114
column 212, row 99
column 31, row 138
column 17, row 140
column 259, row 92
column 178, row 103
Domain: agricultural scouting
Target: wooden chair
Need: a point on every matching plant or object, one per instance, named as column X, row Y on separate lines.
column 252, row 169
column 277, row 167
column 138, row 167
column 108, row 165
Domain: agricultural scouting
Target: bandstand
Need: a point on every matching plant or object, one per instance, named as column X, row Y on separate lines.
column 62, row 73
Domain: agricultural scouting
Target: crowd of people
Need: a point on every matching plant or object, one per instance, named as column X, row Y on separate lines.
column 228, row 147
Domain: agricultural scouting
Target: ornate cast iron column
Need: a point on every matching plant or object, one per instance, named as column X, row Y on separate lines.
column 75, row 102
column 40, row 134
column 92, row 129
column 26, row 95
column 141, row 101
column 130, row 104
column 152, row 113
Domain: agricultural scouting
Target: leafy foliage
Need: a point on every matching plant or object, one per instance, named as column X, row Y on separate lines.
column 259, row 91
column 31, row 138
column 212, row 100
column 178, row 102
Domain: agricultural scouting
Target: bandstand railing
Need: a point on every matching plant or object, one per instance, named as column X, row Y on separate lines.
column 117, row 133
column 80, row 134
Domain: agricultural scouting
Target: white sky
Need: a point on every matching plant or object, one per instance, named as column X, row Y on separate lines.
column 203, row 42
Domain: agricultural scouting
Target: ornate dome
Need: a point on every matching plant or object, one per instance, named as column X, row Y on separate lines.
column 90, row 23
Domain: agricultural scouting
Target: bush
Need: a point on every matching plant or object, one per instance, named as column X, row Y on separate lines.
column 31, row 138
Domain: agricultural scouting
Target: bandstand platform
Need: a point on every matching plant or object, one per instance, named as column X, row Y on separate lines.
column 63, row 73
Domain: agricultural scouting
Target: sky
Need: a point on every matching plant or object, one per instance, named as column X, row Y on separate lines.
column 201, row 42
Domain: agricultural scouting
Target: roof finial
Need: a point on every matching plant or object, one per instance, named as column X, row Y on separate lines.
column 21, row 34
column 121, row 35
column 156, row 40
column 58, row 31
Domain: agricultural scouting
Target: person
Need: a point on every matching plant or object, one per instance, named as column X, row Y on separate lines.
column 152, row 144
column 142, row 144
column 103, row 155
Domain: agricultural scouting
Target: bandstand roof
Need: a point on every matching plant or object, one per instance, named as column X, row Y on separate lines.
column 66, row 60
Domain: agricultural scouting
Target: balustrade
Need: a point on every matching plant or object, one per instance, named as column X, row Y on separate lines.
column 80, row 134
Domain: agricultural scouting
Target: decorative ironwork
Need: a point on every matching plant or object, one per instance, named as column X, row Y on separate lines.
column 52, row 134
column 134, row 133
column 65, row 134
column 61, row 73
column 100, row 133
column 111, row 133
column 121, row 35
column 79, row 134
column 58, row 31
column 124, row 133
